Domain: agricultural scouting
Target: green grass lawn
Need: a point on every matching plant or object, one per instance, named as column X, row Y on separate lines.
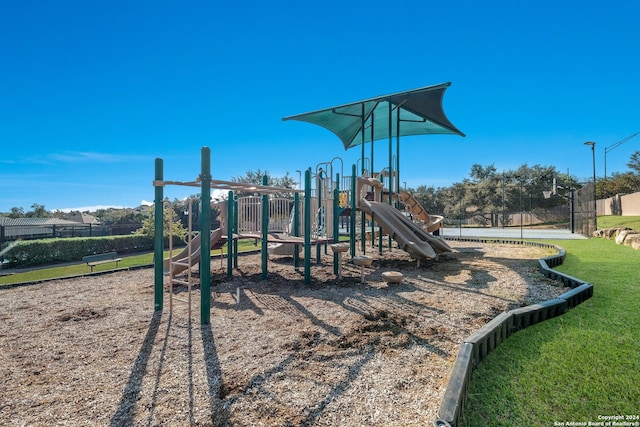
column 82, row 268
column 574, row 367
column 619, row 221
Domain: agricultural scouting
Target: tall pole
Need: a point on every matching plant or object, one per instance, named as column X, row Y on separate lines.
column 336, row 225
column 158, row 237
column 296, row 228
column 307, row 226
column 390, row 183
column 265, row 230
column 230, row 230
column 205, row 236
column 352, row 217
column 595, row 202
column 398, row 155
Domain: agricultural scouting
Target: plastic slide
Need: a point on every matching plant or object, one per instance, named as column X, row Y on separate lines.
column 432, row 222
column 181, row 261
column 410, row 237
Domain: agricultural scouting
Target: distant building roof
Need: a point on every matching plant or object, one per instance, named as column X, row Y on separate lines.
column 82, row 217
column 12, row 228
column 15, row 222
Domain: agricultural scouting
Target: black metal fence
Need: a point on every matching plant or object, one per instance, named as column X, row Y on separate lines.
column 26, row 232
column 585, row 210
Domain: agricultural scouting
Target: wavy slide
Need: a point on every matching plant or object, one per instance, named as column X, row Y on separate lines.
column 432, row 222
column 411, row 238
column 181, row 260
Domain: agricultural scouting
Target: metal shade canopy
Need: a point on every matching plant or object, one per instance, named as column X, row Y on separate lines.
column 413, row 112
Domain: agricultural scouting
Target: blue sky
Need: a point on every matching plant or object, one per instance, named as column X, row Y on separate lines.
column 91, row 92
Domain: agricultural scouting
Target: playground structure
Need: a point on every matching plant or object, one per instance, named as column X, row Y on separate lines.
column 247, row 218
column 288, row 223
column 414, row 112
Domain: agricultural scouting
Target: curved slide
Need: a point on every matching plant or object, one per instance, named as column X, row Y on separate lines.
column 432, row 222
column 181, row 260
column 409, row 236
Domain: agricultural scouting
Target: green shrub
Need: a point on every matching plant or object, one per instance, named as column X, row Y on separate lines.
column 30, row 253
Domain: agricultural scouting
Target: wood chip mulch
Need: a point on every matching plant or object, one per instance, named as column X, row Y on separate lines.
column 91, row 351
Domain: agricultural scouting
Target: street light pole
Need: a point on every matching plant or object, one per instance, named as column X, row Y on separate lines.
column 595, row 203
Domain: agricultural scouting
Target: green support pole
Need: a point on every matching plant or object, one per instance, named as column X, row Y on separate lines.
column 398, row 156
column 307, row 226
column 265, row 230
column 380, row 242
column 373, row 218
column 235, row 231
column 319, row 218
column 362, row 215
column 390, row 160
column 336, row 224
column 296, row 229
column 230, row 223
column 158, row 238
column 205, row 240
column 363, row 240
column 352, row 217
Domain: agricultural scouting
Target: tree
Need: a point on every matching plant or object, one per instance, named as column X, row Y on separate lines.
column 255, row 178
column 479, row 174
column 483, row 195
column 148, row 224
column 618, row 183
column 634, row 163
column 455, row 198
column 38, row 211
column 114, row 216
column 16, row 213
column 429, row 198
column 181, row 207
column 59, row 214
column 488, row 194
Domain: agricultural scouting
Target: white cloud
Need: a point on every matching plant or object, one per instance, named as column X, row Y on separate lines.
column 218, row 194
column 90, row 208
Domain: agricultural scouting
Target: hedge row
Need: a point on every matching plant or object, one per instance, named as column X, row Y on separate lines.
column 32, row 253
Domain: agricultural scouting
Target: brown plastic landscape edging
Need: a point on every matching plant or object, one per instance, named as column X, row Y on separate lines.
column 479, row 344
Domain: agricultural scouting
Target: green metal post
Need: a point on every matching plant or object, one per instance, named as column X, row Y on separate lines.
column 265, row 230
column 373, row 218
column 296, row 229
column 205, row 239
column 352, row 217
column 235, row 231
column 362, row 215
column 158, row 237
column 307, row 226
column 319, row 217
column 390, row 160
column 336, row 224
column 230, row 222
column 398, row 156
